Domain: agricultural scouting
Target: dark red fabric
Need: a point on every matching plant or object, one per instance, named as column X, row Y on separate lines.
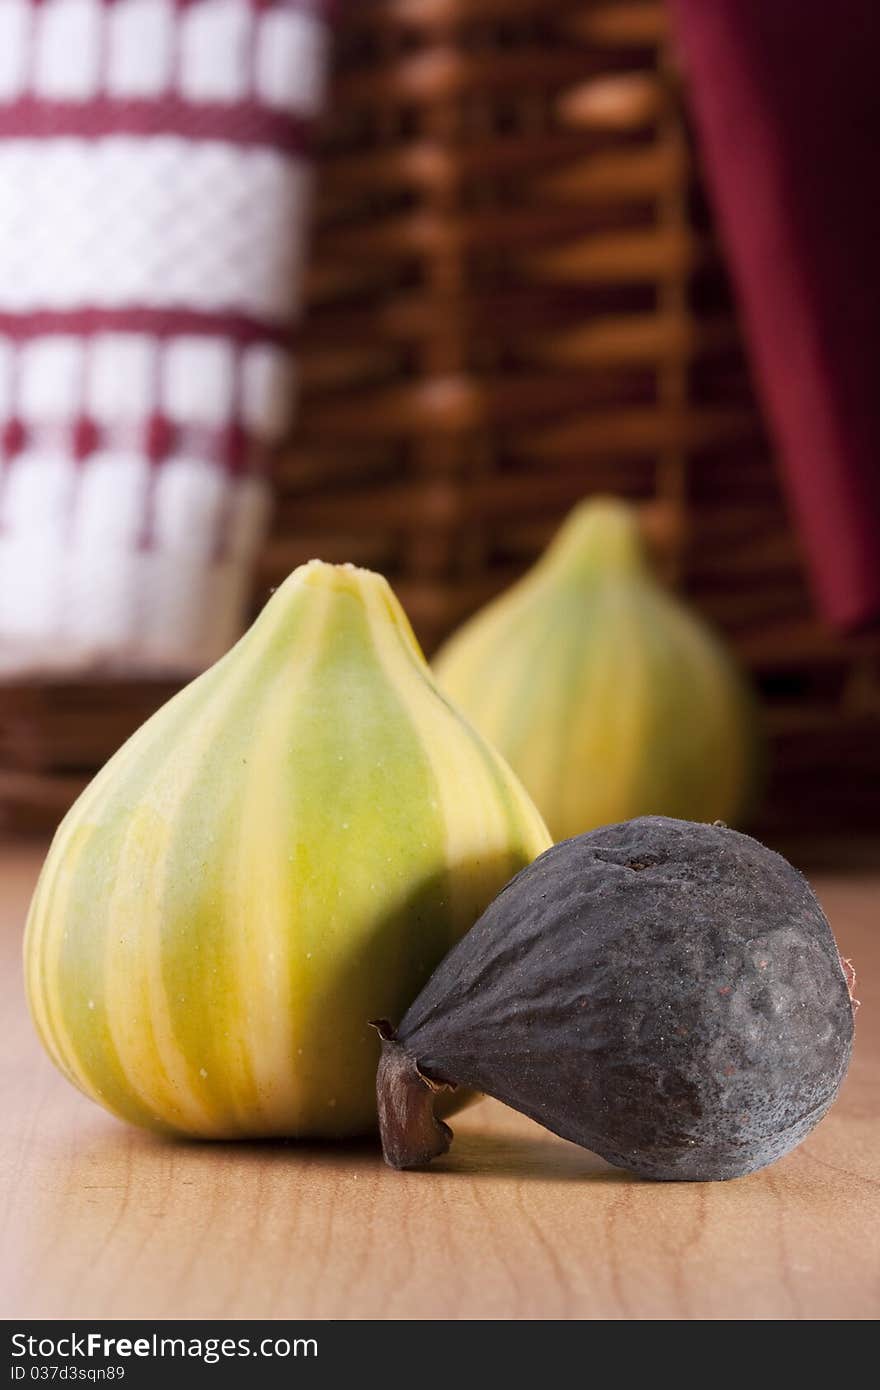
column 236, row 122
column 159, row 323
column 786, row 98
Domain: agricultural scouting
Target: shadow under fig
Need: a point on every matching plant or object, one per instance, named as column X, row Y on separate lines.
column 472, row 1156
column 525, row 1158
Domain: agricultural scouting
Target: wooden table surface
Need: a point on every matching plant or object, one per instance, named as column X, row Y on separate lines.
column 100, row 1220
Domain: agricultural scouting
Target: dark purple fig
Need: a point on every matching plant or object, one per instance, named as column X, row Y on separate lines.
column 665, row 994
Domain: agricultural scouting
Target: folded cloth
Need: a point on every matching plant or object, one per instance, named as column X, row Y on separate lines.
column 787, row 107
column 154, row 157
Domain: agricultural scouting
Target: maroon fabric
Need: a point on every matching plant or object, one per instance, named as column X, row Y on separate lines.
column 237, row 122
column 786, row 99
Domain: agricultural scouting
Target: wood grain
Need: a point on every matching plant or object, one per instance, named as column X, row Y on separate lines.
column 99, row 1220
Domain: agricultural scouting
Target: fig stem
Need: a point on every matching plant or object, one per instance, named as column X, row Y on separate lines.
column 410, row 1131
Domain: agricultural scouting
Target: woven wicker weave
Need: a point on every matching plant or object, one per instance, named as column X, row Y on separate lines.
column 516, row 300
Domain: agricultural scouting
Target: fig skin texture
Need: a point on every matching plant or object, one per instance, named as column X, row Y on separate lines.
column 666, row 994
column 286, row 847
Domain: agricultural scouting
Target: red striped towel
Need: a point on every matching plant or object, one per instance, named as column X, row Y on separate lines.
column 154, row 159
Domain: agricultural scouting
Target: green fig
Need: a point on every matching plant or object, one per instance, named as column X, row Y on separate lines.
column 281, row 853
column 604, row 692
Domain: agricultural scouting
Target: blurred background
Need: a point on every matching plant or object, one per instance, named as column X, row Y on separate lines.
column 555, row 250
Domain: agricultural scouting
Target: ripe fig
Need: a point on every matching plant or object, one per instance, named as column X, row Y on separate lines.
column 608, row 695
column 668, row 995
column 289, row 845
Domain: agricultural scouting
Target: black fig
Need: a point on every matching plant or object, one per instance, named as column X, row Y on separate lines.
column 668, row 995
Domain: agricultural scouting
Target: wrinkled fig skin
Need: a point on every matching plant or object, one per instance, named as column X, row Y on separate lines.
column 668, row 995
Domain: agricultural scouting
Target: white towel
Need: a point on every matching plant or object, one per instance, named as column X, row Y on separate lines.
column 154, row 162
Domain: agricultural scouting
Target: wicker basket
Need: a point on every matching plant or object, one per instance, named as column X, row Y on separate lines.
column 516, row 300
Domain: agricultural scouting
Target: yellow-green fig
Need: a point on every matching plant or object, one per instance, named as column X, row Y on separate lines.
column 606, row 694
column 282, row 853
